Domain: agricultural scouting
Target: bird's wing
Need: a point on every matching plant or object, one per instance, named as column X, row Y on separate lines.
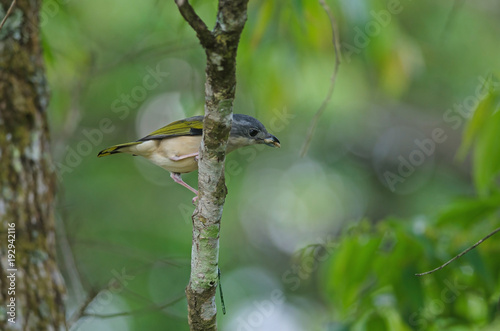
column 192, row 126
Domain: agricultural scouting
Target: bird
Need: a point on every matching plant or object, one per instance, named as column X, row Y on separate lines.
column 175, row 147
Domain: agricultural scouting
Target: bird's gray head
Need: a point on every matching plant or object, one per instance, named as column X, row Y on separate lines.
column 246, row 131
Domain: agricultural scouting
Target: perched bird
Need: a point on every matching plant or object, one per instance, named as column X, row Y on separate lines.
column 175, row 146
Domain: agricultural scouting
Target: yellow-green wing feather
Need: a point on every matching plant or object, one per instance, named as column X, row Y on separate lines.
column 191, row 126
column 115, row 149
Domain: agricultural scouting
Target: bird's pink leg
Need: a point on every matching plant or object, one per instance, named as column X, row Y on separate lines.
column 182, row 157
column 177, row 178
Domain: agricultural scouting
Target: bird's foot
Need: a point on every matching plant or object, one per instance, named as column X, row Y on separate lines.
column 182, row 157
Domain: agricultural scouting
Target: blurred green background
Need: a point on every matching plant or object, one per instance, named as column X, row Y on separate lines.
column 330, row 241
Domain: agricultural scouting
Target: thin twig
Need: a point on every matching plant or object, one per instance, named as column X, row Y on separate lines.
column 8, row 13
column 137, row 311
column 121, row 250
column 321, row 109
column 81, row 310
column 148, row 301
column 147, row 52
column 459, row 255
column 222, row 303
column 68, row 259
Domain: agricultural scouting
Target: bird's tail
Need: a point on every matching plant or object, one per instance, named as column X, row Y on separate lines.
column 116, row 148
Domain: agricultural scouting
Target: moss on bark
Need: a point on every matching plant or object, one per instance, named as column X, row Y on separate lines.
column 27, row 179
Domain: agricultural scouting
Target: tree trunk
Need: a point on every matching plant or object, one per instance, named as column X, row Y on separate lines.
column 31, row 288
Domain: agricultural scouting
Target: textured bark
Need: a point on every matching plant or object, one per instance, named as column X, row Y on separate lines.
column 27, row 179
column 220, row 46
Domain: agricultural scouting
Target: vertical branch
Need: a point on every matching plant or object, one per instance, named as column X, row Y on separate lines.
column 220, row 46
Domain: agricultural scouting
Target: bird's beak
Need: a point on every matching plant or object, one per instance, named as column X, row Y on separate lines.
column 272, row 141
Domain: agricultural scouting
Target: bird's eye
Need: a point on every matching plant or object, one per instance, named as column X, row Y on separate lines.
column 253, row 132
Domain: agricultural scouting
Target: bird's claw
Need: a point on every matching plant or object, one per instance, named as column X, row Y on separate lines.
column 195, row 200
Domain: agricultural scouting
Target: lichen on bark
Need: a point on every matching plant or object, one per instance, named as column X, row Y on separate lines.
column 27, row 178
column 220, row 45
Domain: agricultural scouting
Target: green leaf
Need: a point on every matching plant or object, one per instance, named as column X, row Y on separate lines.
column 486, row 158
column 476, row 261
column 266, row 12
column 466, row 211
column 376, row 322
column 481, row 115
column 350, row 270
